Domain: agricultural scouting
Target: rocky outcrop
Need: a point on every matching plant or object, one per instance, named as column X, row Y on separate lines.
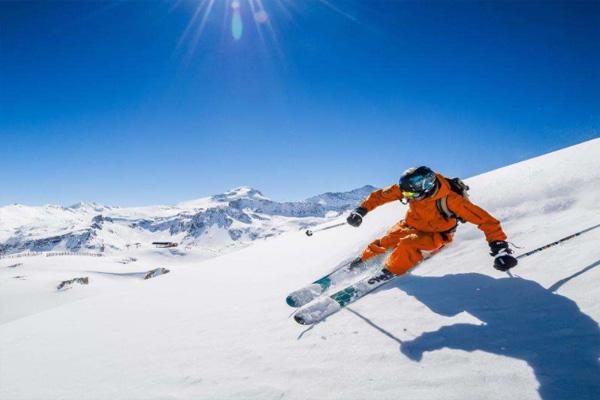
column 72, row 241
column 156, row 272
column 127, row 260
column 98, row 221
column 64, row 285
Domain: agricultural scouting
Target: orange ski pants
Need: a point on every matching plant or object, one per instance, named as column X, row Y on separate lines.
column 408, row 243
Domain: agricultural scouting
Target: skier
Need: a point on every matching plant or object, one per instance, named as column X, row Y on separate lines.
column 435, row 206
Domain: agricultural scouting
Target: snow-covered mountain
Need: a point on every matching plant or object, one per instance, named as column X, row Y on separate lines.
column 214, row 224
column 454, row 329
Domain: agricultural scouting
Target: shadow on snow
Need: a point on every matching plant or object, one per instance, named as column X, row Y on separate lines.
column 521, row 319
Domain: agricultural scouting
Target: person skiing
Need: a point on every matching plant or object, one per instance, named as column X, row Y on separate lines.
column 435, row 206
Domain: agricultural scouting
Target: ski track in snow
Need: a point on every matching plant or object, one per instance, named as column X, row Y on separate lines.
column 220, row 329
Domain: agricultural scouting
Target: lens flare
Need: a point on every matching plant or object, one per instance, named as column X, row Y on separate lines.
column 234, row 12
column 237, row 26
column 261, row 17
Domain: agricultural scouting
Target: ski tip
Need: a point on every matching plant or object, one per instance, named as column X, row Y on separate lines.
column 291, row 301
column 299, row 319
column 307, row 294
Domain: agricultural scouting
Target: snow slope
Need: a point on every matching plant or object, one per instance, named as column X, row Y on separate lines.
column 220, row 329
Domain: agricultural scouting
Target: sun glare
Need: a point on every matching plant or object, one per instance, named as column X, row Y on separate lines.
column 238, row 11
column 237, row 26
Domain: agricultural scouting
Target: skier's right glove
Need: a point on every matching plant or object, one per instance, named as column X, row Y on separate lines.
column 356, row 216
column 503, row 260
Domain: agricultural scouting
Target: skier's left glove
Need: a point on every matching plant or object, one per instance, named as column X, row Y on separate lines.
column 503, row 260
column 356, row 216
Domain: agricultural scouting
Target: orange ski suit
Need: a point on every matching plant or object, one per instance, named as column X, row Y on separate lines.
column 424, row 228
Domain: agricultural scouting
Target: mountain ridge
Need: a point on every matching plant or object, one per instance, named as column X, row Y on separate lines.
column 230, row 219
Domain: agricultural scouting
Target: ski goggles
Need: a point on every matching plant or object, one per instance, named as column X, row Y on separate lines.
column 411, row 195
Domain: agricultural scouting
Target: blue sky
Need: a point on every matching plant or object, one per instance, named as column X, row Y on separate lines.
column 112, row 102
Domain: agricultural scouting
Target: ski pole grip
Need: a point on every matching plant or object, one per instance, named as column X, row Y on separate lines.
column 310, row 233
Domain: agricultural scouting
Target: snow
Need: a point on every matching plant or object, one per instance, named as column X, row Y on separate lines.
column 219, row 328
column 223, row 222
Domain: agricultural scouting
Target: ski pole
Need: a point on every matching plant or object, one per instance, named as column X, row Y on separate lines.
column 310, row 233
column 544, row 247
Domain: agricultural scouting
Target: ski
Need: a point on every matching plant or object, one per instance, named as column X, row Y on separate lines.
column 323, row 307
column 308, row 293
column 328, row 305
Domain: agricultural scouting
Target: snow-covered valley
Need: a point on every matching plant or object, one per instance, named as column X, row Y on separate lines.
column 211, row 225
column 219, row 328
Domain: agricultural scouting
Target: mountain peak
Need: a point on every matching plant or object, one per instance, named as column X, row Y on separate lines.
column 342, row 199
column 242, row 192
column 82, row 205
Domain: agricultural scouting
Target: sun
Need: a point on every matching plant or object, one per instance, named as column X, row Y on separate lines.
column 234, row 10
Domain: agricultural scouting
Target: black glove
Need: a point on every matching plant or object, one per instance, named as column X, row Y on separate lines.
column 356, row 216
column 503, row 261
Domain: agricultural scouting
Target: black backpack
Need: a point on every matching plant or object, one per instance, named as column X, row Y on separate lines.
column 457, row 186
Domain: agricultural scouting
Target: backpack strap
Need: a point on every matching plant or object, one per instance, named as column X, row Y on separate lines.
column 442, row 206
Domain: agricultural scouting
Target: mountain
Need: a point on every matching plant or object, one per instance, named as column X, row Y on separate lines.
column 219, row 328
column 340, row 200
column 215, row 224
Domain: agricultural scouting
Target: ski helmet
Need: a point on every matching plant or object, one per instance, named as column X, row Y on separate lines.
column 417, row 183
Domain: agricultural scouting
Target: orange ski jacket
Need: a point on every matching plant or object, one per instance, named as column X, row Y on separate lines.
column 423, row 215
